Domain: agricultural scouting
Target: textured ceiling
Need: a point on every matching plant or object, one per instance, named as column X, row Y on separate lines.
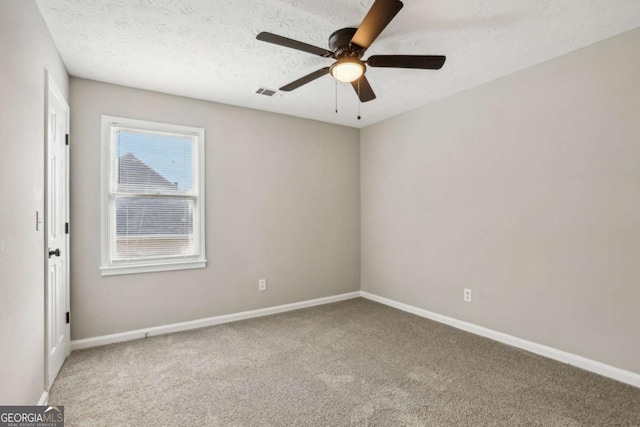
column 206, row 49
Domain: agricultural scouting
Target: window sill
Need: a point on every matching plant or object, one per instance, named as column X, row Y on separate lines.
column 150, row 268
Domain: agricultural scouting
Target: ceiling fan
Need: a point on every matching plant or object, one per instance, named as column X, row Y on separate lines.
column 348, row 45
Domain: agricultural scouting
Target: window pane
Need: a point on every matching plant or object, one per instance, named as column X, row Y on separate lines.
column 152, row 162
column 152, row 227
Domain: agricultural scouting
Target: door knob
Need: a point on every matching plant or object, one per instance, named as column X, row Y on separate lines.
column 56, row 253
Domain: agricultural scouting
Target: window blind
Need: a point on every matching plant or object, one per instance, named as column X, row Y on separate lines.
column 153, row 196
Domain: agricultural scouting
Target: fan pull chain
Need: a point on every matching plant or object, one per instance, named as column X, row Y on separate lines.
column 359, row 102
column 336, row 96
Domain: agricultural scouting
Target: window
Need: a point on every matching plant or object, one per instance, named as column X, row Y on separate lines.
column 152, row 196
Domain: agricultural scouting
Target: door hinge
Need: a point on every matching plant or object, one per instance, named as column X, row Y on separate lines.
column 67, row 317
column 66, row 139
column 66, row 228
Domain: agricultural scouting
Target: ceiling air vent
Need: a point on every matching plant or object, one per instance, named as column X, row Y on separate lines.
column 266, row 92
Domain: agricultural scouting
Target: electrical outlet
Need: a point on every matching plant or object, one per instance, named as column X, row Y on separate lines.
column 467, row 295
column 262, row 284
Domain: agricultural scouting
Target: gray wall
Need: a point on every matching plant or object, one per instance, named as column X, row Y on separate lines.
column 26, row 49
column 527, row 190
column 282, row 203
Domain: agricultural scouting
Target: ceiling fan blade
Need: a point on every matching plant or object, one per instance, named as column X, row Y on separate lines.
column 306, row 79
column 378, row 17
column 425, row 62
column 363, row 89
column 293, row 44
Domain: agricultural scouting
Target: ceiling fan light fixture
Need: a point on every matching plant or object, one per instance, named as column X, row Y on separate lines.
column 348, row 45
column 347, row 70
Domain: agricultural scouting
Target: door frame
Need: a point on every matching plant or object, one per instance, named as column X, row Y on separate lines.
column 51, row 88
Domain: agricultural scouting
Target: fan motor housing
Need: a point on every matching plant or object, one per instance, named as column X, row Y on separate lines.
column 339, row 42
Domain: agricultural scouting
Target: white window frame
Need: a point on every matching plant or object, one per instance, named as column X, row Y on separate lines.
column 108, row 224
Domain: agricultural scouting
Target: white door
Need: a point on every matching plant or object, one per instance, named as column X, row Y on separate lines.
column 57, row 218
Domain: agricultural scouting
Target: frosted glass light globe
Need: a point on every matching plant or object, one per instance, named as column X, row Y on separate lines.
column 347, row 70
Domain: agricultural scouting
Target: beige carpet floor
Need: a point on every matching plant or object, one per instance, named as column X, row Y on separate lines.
column 353, row 363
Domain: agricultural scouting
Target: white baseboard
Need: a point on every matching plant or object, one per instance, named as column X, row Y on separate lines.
column 44, row 399
column 600, row 368
column 609, row 371
column 201, row 323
